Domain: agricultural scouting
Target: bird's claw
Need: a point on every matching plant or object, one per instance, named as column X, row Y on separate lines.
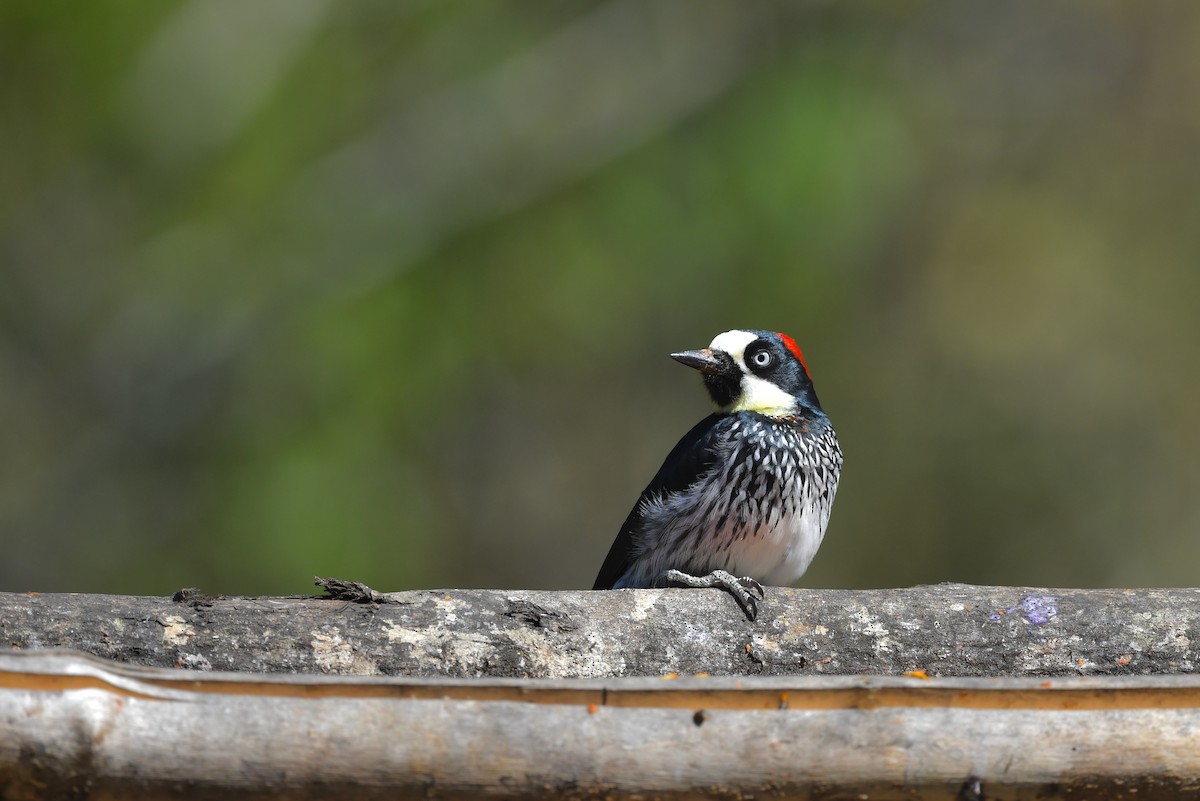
column 742, row 589
column 753, row 586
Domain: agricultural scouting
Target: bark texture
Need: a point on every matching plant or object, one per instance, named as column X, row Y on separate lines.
column 945, row 630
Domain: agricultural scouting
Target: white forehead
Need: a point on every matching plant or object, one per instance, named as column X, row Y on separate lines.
column 734, row 343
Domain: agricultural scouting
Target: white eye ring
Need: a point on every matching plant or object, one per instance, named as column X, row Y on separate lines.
column 762, row 358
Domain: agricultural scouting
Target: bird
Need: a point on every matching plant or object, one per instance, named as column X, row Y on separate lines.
column 744, row 498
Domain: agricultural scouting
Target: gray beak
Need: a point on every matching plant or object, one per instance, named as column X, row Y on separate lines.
column 702, row 360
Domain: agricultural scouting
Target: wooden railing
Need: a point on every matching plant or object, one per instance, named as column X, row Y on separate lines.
column 948, row 691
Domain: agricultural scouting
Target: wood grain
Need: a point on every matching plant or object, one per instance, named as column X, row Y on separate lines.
column 72, row 726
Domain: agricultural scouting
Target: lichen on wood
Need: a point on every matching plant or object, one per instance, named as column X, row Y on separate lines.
column 945, row 630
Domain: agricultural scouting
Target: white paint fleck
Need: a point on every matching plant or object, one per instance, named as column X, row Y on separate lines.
column 333, row 654
column 396, row 633
column 195, row 662
column 870, row 625
column 643, row 602
column 875, row 629
column 176, row 630
column 330, row 651
column 458, row 653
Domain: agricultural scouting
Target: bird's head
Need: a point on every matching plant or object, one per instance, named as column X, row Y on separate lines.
column 754, row 371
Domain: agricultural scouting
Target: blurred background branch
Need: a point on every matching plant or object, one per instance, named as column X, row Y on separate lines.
column 385, row 290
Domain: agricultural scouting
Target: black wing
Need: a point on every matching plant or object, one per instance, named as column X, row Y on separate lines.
column 691, row 457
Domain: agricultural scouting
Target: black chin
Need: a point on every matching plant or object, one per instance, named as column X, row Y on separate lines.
column 724, row 386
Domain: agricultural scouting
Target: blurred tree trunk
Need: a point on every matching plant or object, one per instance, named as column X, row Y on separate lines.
column 72, row 726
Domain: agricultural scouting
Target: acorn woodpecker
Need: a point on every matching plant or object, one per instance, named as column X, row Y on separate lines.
column 746, row 494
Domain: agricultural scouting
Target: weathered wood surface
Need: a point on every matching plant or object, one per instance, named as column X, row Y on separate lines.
column 73, row 727
column 946, row 630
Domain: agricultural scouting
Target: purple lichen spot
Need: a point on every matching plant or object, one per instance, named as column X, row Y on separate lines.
column 1038, row 609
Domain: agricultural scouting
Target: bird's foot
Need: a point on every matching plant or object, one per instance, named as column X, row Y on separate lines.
column 742, row 589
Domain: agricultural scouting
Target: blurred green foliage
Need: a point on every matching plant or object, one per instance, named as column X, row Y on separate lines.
column 385, row 290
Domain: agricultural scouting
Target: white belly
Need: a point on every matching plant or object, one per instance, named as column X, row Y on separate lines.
column 779, row 556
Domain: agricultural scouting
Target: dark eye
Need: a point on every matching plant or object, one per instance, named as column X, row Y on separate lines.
column 761, row 359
